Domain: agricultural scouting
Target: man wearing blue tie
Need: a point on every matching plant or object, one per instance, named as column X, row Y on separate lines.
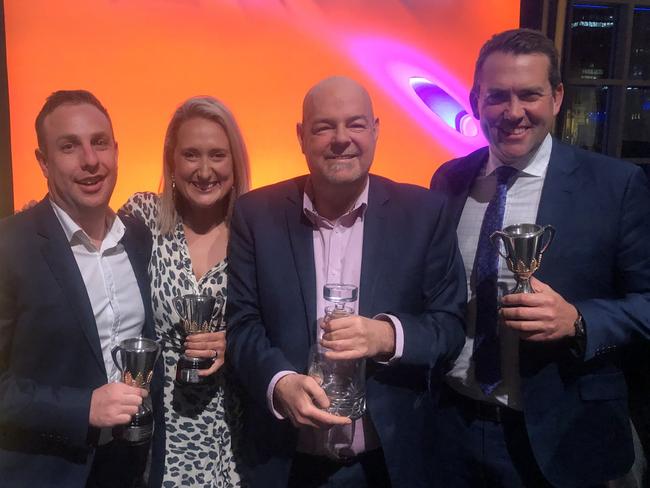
column 537, row 396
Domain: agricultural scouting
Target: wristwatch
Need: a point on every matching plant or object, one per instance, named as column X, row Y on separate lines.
column 579, row 326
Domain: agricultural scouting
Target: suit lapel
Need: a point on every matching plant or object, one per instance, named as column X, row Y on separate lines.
column 462, row 180
column 58, row 255
column 302, row 247
column 374, row 230
column 559, row 183
column 139, row 259
column 556, row 198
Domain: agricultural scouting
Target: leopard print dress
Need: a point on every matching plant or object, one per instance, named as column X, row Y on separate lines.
column 199, row 420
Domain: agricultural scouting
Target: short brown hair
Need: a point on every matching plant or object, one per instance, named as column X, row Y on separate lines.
column 65, row 97
column 519, row 41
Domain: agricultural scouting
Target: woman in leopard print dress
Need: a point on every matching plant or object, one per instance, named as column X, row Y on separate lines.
column 205, row 167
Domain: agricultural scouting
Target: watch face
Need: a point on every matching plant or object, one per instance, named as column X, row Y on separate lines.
column 579, row 326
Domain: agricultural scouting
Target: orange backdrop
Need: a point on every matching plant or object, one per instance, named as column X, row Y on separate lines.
column 142, row 58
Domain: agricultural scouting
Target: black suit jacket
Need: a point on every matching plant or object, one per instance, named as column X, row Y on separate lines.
column 575, row 408
column 50, row 354
column 411, row 268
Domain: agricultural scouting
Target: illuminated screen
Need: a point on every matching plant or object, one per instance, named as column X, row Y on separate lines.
column 142, row 58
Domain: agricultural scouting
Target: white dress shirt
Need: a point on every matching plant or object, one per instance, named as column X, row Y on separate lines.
column 110, row 283
column 522, row 201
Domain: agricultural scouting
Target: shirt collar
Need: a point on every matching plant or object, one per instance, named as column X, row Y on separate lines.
column 357, row 210
column 75, row 234
column 535, row 166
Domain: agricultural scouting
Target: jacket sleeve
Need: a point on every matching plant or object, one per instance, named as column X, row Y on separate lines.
column 436, row 336
column 255, row 360
column 54, row 414
column 614, row 322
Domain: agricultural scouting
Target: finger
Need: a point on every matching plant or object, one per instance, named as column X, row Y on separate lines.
column 346, row 355
column 538, row 285
column 122, row 418
column 344, row 344
column 203, row 346
column 315, row 393
column 314, row 417
column 129, row 390
column 207, row 337
column 200, row 353
column 212, row 369
column 340, row 323
column 525, row 326
column 524, row 300
column 129, row 410
column 130, row 400
column 525, row 313
column 325, row 419
column 342, row 334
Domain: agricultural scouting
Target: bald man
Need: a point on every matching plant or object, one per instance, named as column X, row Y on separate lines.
column 341, row 225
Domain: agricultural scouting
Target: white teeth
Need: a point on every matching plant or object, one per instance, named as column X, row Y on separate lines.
column 90, row 181
column 516, row 131
column 205, row 186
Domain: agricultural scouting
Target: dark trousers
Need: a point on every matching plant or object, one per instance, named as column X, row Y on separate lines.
column 118, row 465
column 367, row 470
column 478, row 448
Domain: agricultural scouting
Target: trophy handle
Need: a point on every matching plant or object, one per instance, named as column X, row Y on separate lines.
column 495, row 237
column 178, row 305
column 551, row 235
column 118, row 363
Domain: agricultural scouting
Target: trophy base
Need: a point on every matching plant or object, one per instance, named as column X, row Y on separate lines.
column 138, row 431
column 187, row 370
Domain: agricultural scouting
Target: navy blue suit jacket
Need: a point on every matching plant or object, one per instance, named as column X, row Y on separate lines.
column 575, row 408
column 50, row 354
column 411, row 268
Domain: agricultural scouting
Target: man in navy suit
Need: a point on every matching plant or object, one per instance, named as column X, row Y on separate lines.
column 341, row 225
column 73, row 285
column 539, row 398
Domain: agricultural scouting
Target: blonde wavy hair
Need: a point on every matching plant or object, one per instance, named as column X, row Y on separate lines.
column 209, row 108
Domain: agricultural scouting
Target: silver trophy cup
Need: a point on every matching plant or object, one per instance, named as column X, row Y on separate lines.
column 523, row 247
column 135, row 358
column 197, row 313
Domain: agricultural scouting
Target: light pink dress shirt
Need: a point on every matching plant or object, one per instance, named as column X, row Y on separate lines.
column 338, row 249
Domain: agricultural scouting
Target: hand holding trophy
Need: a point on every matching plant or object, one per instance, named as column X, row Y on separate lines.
column 135, row 358
column 198, row 314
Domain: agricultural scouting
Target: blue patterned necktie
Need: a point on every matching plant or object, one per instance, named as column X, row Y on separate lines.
column 487, row 360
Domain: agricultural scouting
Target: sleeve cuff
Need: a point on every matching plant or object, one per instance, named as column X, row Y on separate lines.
column 269, row 392
column 399, row 336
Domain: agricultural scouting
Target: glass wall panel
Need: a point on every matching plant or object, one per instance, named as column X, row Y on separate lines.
column 640, row 49
column 592, row 32
column 636, row 127
column 585, row 113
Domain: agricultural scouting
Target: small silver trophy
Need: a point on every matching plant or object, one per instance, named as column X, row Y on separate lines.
column 523, row 247
column 135, row 358
column 197, row 313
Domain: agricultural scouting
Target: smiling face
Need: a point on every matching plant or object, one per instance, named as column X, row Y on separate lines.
column 516, row 103
column 203, row 169
column 338, row 133
column 79, row 159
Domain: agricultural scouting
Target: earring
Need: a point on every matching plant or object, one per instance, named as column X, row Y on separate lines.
column 173, row 189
